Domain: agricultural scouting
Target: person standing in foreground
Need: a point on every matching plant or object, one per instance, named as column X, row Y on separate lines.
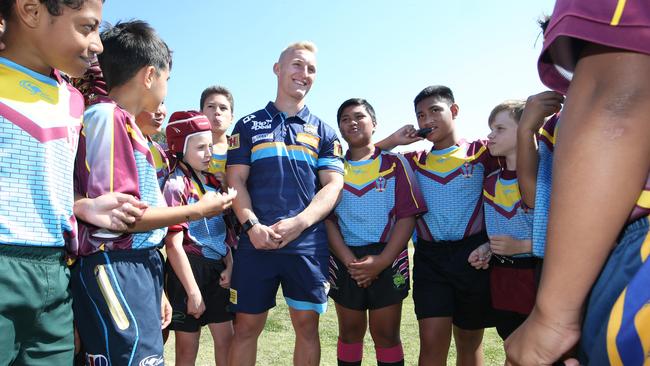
column 598, row 54
column 287, row 166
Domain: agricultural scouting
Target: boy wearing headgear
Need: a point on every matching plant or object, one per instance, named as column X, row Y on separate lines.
column 199, row 260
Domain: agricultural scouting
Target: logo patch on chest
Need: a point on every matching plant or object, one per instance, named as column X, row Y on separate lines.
column 263, row 137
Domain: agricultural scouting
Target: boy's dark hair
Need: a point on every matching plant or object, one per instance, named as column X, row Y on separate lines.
column 128, row 47
column 217, row 89
column 356, row 102
column 438, row 91
column 543, row 22
column 514, row 107
column 53, row 6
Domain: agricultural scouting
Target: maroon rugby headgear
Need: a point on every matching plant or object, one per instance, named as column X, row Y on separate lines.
column 182, row 125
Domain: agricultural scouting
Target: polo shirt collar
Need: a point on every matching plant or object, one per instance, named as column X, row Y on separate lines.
column 303, row 114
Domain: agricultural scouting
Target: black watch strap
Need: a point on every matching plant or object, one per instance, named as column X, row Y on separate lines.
column 248, row 224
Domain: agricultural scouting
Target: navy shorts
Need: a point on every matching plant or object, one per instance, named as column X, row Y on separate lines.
column 207, row 273
column 614, row 330
column 391, row 286
column 446, row 285
column 116, row 304
column 257, row 274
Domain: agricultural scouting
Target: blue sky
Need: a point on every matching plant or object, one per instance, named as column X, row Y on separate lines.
column 384, row 51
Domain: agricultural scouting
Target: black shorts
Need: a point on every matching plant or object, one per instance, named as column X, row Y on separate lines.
column 446, row 285
column 391, row 287
column 206, row 273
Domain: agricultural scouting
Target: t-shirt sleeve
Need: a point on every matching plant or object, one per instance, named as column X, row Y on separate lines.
column 330, row 156
column 408, row 196
column 109, row 155
column 239, row 146
column 174, row 193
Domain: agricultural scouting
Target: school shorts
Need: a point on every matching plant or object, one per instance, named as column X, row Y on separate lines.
column 391, row 286
column 513, row 288
column 257, row 274
column 35, row 307
column 207, row 273
column 116, row 305
column 616, row 325
column 446, row 285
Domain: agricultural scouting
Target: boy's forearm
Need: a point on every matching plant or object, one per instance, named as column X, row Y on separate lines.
column 336, row 243
column 157, row 217
column 180, row 263
column 527, row 162
column 398, row 239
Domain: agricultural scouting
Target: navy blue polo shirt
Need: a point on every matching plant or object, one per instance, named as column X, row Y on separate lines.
column 285, row 154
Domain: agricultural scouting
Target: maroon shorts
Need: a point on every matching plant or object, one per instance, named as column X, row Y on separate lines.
column 623, row 24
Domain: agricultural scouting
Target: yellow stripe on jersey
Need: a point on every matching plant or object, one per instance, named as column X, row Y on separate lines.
column 645, row 248
column 302, row 149
column 114, row 306
column 618, row 13
column 550, row 137
column 362, row 175
column 21, row 87
column 644, row 200
column 642, row 325
column 613, row 326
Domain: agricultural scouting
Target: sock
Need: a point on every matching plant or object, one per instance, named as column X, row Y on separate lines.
column 393, row 356
column 349, row 354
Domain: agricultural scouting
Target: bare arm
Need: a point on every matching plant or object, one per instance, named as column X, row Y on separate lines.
column 602, row 144
column 404, row 135
column 337, row 245
column 538, row 107
column 181, row 265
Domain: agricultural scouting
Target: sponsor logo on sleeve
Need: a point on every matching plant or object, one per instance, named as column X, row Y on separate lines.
column 311, row 129
column 233, row 142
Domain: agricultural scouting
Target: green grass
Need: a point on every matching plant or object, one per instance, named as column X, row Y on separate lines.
column 276, row 342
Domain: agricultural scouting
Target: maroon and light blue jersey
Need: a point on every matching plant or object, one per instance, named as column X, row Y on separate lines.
column 204, row 237
column 505, row 212
column 40, row 119
column 377, row 193
column 160, row 161
column 285, row 155
column 451, row 181
column 114, row 156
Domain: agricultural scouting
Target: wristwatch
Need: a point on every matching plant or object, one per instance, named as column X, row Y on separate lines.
column 248, row 224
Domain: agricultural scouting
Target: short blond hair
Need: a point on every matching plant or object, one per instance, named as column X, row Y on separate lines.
column 514, row 107
column 302, row 45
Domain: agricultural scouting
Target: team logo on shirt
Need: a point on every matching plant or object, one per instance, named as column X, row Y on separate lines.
column 34, row 89
column 467, row 169
column 338, row 150
column 233, row 142
column 380, row 184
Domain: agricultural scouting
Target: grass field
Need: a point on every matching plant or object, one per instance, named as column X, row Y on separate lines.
column 276, row 342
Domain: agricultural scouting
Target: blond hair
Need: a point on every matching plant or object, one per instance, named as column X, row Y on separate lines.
column 514, row 107
column 302, row 45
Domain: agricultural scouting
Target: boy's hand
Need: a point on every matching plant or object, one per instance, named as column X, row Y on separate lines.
column 195, row 304
column 507, row 245
column 366, row 269
column 540, row 341
column 114, row 211
column 538, row 107
column 224, row 277
column 289, row 229
column 212, row 204
column 405, row 135
column 479, row 258
column 165, row 312
column 263, row 237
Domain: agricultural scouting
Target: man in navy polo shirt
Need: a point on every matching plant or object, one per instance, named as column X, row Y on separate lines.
column 286, row 166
